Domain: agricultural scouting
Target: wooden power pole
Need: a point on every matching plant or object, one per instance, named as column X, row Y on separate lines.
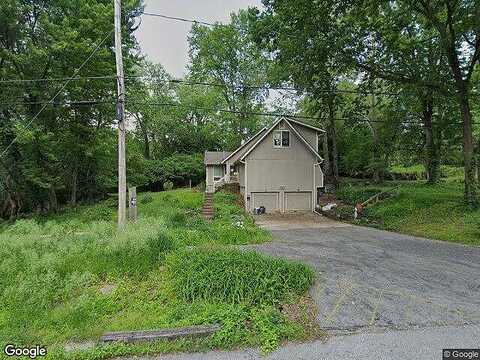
column 122, row 171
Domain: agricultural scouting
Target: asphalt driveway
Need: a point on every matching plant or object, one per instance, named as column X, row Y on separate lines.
column 372, row 280
column 382, row 295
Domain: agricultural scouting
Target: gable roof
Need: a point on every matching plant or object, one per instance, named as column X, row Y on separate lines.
column 305, row 125
column 215, row 157
column 246, row 145
column 302, row 139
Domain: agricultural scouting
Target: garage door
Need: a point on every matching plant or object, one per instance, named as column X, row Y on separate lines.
column 298, row 201
column 267, row 199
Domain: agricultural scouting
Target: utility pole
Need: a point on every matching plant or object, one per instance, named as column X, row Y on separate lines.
column 122, row 171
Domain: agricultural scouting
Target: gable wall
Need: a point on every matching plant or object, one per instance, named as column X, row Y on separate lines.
column 309, row 134
column 280, row 169
column 237, row 156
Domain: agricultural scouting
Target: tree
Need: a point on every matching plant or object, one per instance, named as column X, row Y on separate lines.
column 61, row 156
column 226, row 55
column 392, row 30
column 304, row 49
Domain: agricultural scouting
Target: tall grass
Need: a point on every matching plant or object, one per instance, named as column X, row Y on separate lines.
column 433, row 211
column 53, row 271
column 236, row 277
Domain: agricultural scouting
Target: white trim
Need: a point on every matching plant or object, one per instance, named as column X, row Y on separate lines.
column 303, row 140
column 244, row 144
column 306, row 125
column 281, row 146
column 247, row 208
column 313, row 188
column 292, row 128
column 261, row 139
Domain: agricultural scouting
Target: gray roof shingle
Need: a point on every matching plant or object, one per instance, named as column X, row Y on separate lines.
column 215, row 157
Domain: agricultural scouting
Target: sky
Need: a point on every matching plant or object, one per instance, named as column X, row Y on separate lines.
column 165, row 41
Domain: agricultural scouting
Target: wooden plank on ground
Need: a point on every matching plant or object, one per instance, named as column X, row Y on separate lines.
column 166, row 334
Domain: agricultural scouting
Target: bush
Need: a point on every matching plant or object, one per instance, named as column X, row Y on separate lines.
column 148, row 198
column 168, row 185
column 355, row 194
column 236, row 277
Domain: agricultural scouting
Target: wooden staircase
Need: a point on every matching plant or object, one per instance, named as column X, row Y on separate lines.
column 208, row 210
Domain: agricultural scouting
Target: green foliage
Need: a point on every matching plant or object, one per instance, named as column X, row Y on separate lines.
column 236, row 277
column 146, row 199
column 353, row 195
column 226, row 54
column 177, row 170
column 431, row 211
column 68, row 153
column 168, row 185
column 71, row 277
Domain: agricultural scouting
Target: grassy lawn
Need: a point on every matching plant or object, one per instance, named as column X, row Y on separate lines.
column 432, row 211
column 71, row 277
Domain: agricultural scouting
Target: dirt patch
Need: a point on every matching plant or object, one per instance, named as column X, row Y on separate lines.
column 304, row 312
column 295, row 220
column 107, row 289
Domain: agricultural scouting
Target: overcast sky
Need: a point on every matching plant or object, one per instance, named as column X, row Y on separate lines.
column 165, row 41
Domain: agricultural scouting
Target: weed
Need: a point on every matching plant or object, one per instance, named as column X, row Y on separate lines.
column 236, row 277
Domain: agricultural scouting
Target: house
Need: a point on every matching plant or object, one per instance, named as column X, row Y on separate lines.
column 278, row 168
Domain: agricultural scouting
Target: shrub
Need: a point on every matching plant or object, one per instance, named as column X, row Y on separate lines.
column 356, row 194
column 236, row 277
column 176, row 219
column 168, row 185
column 148, row 198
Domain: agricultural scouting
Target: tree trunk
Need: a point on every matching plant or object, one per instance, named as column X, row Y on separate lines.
column 478, row 162
column 53, row 203
column 326, row 155
column 432, row 161
column 333, row 139
column 377, row 160
column 73, row 195
column 468, row 151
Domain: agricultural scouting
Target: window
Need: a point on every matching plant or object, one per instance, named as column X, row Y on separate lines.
column 217, row 172
column 281, row 138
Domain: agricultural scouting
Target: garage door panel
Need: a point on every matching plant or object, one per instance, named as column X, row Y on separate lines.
column 298, row 201
column 267, row 199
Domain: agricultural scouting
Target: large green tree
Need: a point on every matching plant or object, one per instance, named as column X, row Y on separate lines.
column 226, row 55
column 65, row 153
column 393, row 40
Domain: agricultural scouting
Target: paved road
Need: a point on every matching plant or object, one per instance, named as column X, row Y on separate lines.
column 422, row 344
column 370, row 279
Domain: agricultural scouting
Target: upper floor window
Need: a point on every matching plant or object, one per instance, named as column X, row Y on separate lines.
column 281, row 138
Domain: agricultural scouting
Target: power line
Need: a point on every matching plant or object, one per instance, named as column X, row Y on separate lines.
column 167, row 17
column 238, row 112
column 61, row 89
column 66, row 103
column 212, row 84
column 201, row 83
column 14, row 81
column 269, row 114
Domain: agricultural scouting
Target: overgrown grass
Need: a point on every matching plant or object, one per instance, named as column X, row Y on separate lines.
column 418, row 172
column 71, row 277
column 432, row 211
column 236, row 277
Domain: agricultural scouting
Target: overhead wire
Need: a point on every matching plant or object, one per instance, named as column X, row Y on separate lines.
column 97, row 47
column 167, row 17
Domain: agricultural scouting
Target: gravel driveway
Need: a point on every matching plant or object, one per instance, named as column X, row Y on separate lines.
column 371, row 279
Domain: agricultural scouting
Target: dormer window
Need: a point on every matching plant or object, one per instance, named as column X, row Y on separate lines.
column 281, row 138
